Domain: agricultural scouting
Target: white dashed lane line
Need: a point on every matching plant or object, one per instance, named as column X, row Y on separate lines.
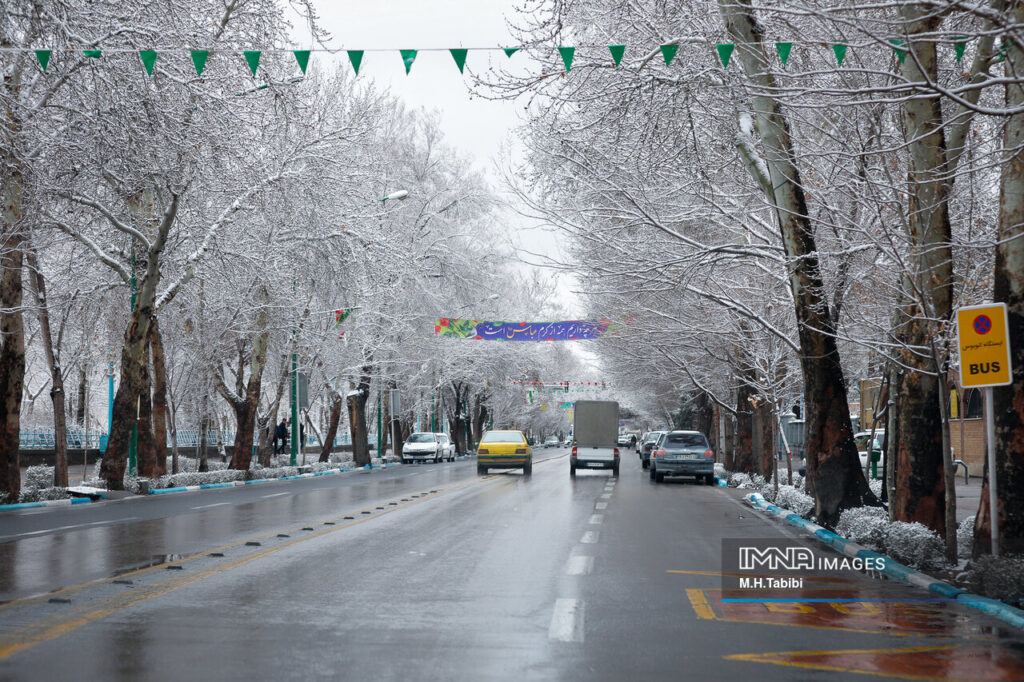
column 208, row 506
column 601, row 505
column 274, row 495
column 606, row 496
column 590, row 537
column 567, row 621
column 597, row 518
column 579, row 565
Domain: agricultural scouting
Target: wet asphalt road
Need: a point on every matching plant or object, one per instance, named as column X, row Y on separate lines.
column 447, row 576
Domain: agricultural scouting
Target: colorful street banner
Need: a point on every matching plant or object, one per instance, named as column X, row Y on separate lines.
column 339, row 317
column 480, row 330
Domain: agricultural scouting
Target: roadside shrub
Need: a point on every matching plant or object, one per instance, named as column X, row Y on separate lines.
column 913, row 544
column 794, row 499
column 864, row 525
column 965, row 538
column 998, row 577
column 39, row 486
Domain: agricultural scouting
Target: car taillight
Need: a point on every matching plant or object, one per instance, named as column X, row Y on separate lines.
column 573, row 450
column 709, row 453
column 482, row 451
column 616, row 452
column 658, row 452
column 520, row 451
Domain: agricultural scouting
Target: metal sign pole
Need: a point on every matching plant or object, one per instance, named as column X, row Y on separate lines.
column 990, row 438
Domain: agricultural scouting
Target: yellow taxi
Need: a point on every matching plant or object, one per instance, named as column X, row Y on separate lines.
column 504, row 450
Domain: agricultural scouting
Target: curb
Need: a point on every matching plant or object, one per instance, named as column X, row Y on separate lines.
column 893, row 569
column 257, row 481
column 49, row 503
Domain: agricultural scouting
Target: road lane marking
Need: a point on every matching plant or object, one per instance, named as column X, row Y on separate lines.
column 216, row 504
column 597, row 518
column 601, row 505
column 275, row 495
column 606, row 496
column 567, row 621
column 700, row 604
column 71, row 527
column 874, row 658
column 590, row 537
column 579, row 565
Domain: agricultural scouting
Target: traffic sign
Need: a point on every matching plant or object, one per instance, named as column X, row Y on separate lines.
column 984, row 344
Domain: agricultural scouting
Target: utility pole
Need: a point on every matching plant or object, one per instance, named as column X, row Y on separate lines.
column 133, row 447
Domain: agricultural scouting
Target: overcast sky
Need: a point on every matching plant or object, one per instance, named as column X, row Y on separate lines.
column 477, row 128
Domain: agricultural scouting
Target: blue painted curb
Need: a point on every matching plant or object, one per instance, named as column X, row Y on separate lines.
column 48, row 503
column 894, row 569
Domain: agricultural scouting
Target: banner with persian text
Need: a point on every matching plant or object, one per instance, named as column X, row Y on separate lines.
column 481, row 330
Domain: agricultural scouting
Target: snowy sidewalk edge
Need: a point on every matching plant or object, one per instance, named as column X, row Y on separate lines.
column 48, row 503
column 893, row 569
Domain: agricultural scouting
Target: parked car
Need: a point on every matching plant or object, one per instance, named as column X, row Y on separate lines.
column 647, row 444
column 595, row 424
column 683, row 453
column 447, row 446
column 423, row 447
column 504, row 450
column 861, row 439
column 552, row 442
column 625, row 439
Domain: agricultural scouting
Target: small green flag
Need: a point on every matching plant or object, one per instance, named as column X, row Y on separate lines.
column 783, row 50
column 840, row 51
column 93, row 54
column 567, row 53
column 148, row 58
column 617, row 52
column 669, row 52
column 1002, row 51
column 44, row 58
column 408, row 57
column 724, row 53
column 960, row 44
column 901, row 54
column 509, row 51
column 199, row 60
column 252, row 57
column 356, row 57
column 302, row 57
column 459, row 55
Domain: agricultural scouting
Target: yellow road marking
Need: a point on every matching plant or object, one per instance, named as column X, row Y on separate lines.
column 775, row 659
column 756, row 575
column 700, row 604
column 45, row 630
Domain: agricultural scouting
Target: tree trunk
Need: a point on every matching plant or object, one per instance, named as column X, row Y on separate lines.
column 332, row 427
column 920, row 483
column 763, row 417
column 156, row 346
column 1009, row 288
column 80, row 406
column 204, row 428
column 833, row 467
column 147, row 461
column 357, row 419
column 12, row 336
column 743, row 453
column 60, row 426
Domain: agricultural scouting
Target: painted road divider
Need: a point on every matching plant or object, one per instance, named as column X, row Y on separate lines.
column 893, row 569
column 48, row 503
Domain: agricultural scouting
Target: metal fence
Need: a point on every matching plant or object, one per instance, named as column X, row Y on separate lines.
column 44, row 439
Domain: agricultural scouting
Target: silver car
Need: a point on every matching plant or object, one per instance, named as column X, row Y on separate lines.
column 426, row 447
column 683, row 453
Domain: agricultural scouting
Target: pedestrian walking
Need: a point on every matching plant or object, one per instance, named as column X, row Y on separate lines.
column 281, row 434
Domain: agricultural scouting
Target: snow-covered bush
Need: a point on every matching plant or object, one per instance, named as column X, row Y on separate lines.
column 998, row 577
column 863, row 525
column 794, row 499
column 876, row 487
column 720, row 471
column 39, row 486
column 965, row 538
column 913, row 544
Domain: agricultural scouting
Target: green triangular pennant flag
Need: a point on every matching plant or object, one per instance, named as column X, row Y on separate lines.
column 199, row 60
column 901, row 54
column 783, row 50
column 509, row 51
column 459, row 56
column 669, row 52
column 148, row 58
column 252, row 57
column 93, row 54
column 408, row 57
column 960, row 45
column 341, row 315
column 724, row 53
column 567, row 53
column 840, row 52
column 1002, row 51
column 302, row 57
column 44, row 58
column 356, row 57
column 617, row 52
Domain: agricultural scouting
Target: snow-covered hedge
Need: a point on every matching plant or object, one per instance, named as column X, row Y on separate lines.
column 794, row 499
column 998, row 577
column 39, row 486
column 913, row 544
column 965, row 538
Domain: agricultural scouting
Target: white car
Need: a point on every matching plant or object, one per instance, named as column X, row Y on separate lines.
column 425, row 447
column 551, row 442
column 861, row 438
